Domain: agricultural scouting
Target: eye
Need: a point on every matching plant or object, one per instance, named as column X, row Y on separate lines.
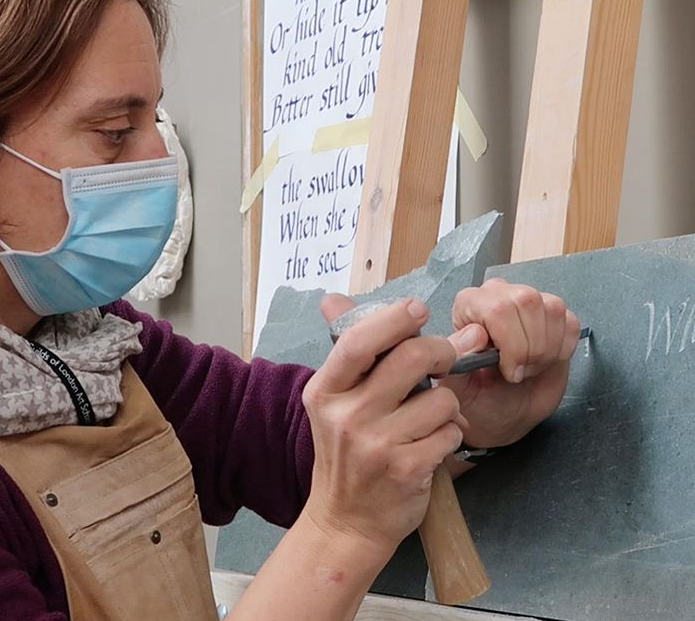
column 116, row 136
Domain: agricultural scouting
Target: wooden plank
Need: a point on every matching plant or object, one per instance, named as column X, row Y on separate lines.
column 577, row 131
column 409, row 140
column 229, row 587
column 252, row 110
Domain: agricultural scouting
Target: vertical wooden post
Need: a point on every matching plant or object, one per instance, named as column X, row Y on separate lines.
column 252, row 85
column 400, row 214
column 409, row 140
column 577, row 131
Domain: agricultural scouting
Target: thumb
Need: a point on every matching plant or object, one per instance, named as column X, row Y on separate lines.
column 334, row 305
column 473, row 338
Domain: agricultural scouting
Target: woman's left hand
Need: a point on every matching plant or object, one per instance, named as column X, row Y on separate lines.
column 536, row 335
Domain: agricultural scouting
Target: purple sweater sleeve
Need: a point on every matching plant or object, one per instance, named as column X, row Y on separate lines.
column 31, row 582
column 242, row 425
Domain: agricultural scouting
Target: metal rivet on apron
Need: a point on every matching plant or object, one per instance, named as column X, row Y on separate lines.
column 52, row 500
column 156, row 537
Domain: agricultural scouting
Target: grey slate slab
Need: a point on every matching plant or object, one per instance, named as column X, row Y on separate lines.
column 592, row 517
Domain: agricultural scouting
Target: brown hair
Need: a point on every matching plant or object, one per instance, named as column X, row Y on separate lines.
column 40, row 41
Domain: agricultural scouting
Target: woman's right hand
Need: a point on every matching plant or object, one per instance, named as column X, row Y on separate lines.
column 375, row 452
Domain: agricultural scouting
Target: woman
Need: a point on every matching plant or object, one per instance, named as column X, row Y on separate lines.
column 98, row 516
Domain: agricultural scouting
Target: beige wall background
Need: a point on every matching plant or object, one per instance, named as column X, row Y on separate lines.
column 203, row 85
column 659, row 180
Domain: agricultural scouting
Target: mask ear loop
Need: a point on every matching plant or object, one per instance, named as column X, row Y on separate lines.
column 24, row 158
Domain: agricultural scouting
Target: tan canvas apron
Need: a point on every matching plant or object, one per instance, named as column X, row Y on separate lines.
column 119, row 508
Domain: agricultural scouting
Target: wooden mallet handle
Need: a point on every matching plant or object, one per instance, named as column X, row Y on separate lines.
column 458, row 575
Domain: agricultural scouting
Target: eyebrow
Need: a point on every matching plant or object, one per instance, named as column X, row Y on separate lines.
column 125, row 102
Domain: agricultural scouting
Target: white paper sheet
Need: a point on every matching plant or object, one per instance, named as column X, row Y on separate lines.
column 320, row 66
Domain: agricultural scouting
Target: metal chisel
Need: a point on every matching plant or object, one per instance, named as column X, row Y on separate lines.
column 489, row 358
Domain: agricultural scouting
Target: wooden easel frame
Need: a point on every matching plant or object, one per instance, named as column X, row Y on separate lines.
column 252, row 111
column 558, row 212
column 574, row 156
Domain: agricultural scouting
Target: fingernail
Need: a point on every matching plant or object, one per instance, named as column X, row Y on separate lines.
column 466, row 340
column 519, row 375
column 417, row 309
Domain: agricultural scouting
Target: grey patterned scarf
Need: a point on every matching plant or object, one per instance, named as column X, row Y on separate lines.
column 32, row 398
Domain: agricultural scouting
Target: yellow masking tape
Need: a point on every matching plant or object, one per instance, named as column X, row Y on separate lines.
column 347, row 134
column 356, row 132
column 470, row 129
column 255, row 185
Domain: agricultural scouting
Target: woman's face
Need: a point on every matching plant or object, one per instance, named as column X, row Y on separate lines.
column 104, row 114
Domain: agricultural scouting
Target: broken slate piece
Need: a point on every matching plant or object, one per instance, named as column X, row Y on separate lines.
column 296, row 332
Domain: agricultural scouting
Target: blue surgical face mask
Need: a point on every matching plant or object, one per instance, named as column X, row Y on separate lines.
column 120, row 217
